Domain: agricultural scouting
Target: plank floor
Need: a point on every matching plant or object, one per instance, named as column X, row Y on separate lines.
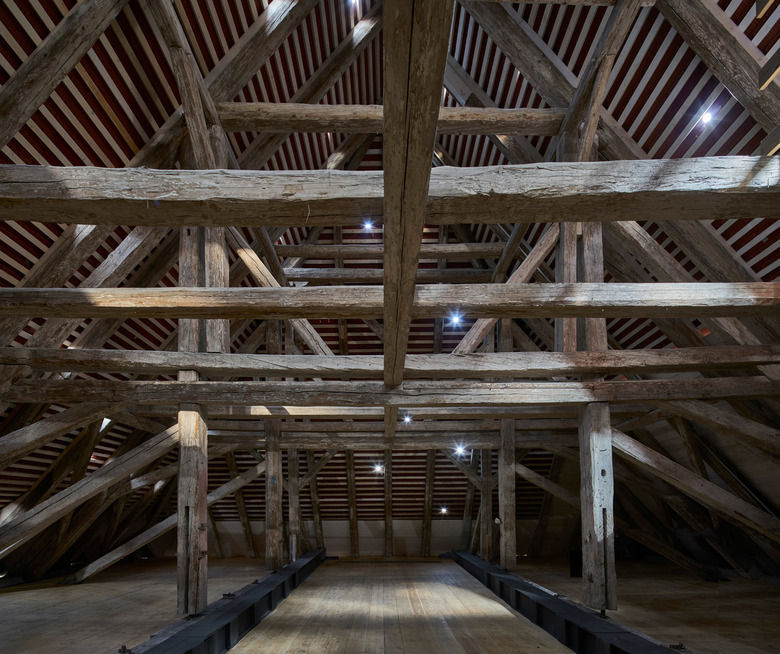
column 741, row 616
column 123, row 605
column 414, row 608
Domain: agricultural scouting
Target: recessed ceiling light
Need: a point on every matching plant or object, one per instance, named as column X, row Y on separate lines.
column 407, row 419
column 368, row 225
column 460, row 450
column 706, row 117
column 444, row 510
column 379, row 468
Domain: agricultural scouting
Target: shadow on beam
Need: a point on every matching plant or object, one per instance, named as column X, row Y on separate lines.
column 580, row 629
column 227, row 621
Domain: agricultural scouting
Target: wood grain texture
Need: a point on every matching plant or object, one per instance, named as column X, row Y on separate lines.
column 683, row 189
column 605, row 300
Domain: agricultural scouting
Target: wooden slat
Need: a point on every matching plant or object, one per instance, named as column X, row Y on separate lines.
column 35, row 80
column 416, row 34
column 769, row 71
column 586, row 300
column 682, row 189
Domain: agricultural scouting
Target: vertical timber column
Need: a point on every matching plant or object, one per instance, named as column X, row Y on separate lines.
column 192, row 526
column 389, row 549
column 430, row 473
column 506, row 495
column 485, row 506
column 596, row 498
column 274, row 536
column 294, row 509
column 314, row 492
column 354, row 536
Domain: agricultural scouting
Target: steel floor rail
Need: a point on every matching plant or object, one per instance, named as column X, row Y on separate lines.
column 228, row 620
column 580, row 629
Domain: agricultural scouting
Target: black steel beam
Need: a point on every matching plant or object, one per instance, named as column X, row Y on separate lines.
column 580, row 629
column 228, row 620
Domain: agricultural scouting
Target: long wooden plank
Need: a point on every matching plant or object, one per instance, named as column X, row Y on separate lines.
column 35, row 80
column 370, row 393
column 449, row 251
column 482, row 365
column 506, row 496
column 707, row 493
column 474, row 300
column 683, row 189
column 151, row 534
column 416, row 35
column 30, row 523
column 284, row 117
column 274, row 527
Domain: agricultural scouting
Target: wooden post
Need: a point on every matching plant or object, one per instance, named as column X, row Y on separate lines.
column 506, row 495
column 485, row 506
column 389, row 548
column 468, row 508
column 596, row 498
column 274, row 536
column 430, row 471
column 354, row 544
column 241, row 506
column 294, row 506
column 314, row 493
column 192, row 548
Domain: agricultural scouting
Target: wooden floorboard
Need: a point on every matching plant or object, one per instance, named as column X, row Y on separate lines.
column 414, row 608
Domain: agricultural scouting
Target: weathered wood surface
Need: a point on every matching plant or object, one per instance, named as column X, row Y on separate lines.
column 22, row 441
column 416, row 34
column 30, row 523
column 151, row 534
column 449, row 251
column 705, row 188
column 606, row 300
column 37, row 77
column 704, row 491
column 727, row 52
column 274, row 527
column 375, row 276
column 481, row 365
column 286, row 117
column 371, row 393
column 597, row 489
column 506, row 496
column 354, row 536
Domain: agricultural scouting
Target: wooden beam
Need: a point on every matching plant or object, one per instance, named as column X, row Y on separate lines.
column 732, row 425
column 416, row 35
column 388, row 480
column 274, row 529
column 506, row 496
column 248, row 55
column 427, row 526
column 486, row 505
column 285, row 117
column 482, row 365
column 771, row 144
column 727, row 52
column 688, row 189
column 315, row 468
column 322, row 276
column 314, row 495
column 708, row 494
column 410, row 394
column 588, row 300
column 22, row 441
column 354, row 536
column 597, row 497
column 470, row 342
column 317, row 85
column 163, row 527
column 30, row 523
column 40, row 74
column 294, row 505
column 762, row 6
column 243, row 516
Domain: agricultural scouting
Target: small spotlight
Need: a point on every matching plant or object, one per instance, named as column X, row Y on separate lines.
column 368, row 225
column 444, row 510
column 379, row 468
column 706, row 118
column 455, row 319
column 407, row 419
column 460, row 450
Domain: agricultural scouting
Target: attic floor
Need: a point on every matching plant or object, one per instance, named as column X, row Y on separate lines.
column 675, row 606
column 431, row 606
